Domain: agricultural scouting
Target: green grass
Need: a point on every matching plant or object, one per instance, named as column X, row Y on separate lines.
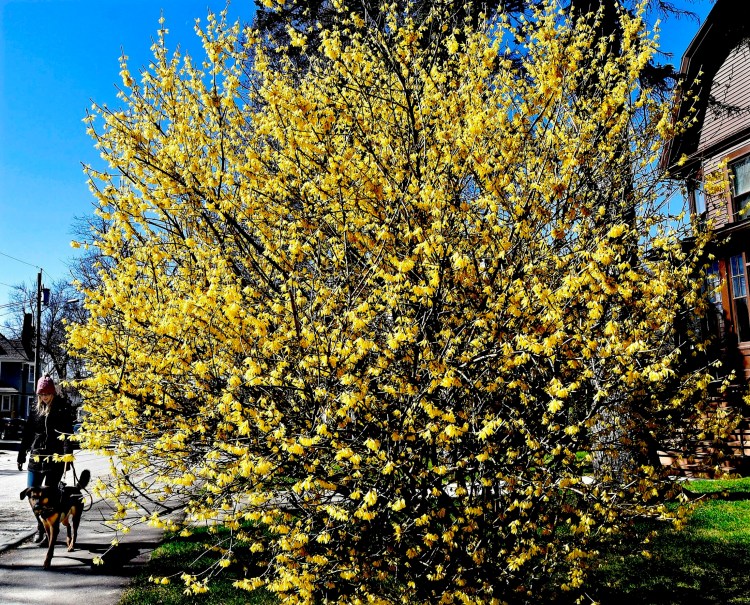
column 712, row 486
column 706, row 563
column 177, row 554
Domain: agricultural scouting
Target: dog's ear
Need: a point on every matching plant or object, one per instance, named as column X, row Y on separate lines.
column 25, row 493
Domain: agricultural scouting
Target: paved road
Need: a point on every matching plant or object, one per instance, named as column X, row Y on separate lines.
column 73, row 578
column 17, row 520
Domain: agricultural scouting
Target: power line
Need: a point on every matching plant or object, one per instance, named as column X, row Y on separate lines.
column 13, row 304
column 19, row 260
column 46, row 273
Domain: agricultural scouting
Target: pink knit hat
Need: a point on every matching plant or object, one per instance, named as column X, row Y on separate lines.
column 45, row 386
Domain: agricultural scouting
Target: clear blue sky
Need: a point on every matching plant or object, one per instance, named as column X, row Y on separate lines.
column 56, row 57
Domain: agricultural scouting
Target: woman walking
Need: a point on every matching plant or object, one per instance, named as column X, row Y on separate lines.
column 46, row 433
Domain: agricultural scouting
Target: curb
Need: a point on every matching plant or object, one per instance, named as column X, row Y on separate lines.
column 22, row 538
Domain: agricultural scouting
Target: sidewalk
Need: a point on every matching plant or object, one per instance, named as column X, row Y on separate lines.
column 73, row 578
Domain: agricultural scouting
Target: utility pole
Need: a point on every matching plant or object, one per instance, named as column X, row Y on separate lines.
column 38, row 333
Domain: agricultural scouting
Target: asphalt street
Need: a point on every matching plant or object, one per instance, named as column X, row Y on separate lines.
column 73, row 578
column 17, row 521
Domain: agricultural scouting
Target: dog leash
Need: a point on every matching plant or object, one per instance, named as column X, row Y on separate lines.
column 75, row 482
column 65, row 472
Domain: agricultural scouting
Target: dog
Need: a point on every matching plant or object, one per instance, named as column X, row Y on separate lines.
column 53, row 505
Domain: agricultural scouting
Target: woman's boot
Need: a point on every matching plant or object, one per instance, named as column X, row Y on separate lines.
column 41, row 535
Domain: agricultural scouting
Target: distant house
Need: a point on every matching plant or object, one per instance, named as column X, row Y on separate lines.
column 719, row 58
column 16, row 376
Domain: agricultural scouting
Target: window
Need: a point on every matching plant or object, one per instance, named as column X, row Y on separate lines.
column 5, row 403
column 700, row 200
column 31, row 374
column 29, row 406
column 713, row 284
column 715, row 313
column 741, row 188
column 697, row 198
column 739, row 297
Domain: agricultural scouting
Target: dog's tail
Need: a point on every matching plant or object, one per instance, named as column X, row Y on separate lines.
column 83, row 479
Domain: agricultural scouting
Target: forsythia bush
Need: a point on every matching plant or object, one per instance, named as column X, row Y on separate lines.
column 413, row 311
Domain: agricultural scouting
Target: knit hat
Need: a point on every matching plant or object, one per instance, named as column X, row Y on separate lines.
column 45, row 386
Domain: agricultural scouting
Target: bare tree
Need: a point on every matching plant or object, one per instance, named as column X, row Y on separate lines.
column 59, row 308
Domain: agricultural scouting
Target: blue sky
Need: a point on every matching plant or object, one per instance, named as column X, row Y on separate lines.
column 56, row 57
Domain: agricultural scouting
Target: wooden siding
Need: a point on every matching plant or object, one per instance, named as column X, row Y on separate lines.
column 718, row 206
column 730, row 88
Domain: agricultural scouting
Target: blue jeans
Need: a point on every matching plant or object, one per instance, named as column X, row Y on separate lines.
column 50, row 477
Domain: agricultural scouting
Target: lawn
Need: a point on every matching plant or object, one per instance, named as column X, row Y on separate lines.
column 707, row 563
column 175, row 555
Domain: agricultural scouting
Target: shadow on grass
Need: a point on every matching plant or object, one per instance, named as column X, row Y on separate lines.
column 707, row 563
column 189, row 554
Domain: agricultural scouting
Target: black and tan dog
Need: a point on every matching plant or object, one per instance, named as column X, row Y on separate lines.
column 53, row 506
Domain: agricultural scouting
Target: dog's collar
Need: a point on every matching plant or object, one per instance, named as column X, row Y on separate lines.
column 45, row 512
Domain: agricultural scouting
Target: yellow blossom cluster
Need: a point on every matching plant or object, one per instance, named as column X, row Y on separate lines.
column 406, row 322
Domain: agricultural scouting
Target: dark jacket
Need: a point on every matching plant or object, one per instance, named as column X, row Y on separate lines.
column 44, row 436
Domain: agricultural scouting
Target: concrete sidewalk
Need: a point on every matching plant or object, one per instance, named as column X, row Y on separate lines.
column 73, row 578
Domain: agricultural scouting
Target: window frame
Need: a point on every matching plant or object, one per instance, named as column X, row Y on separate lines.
column 740, row 201
column 697, row 196
column 714, row 283
column 732, row 277
column 731, row 159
